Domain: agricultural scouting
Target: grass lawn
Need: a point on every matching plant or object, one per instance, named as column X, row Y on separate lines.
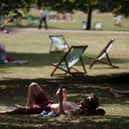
column 34, row 47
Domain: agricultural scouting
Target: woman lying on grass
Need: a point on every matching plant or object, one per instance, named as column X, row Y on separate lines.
column 38, row 102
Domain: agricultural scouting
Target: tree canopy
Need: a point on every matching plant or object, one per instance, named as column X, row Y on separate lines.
column 121, row 7
column 117, row 6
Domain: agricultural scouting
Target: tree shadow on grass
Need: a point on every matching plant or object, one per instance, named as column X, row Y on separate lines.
column 78, row 122
column 44, row 59
column 37, row 59
column 15, row 92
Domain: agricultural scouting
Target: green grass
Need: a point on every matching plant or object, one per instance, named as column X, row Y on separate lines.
column 34, row 47
column 116, row 109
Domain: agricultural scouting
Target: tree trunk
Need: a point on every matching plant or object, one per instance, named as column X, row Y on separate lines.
column 89, row 19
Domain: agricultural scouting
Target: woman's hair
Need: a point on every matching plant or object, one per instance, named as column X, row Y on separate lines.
column 31, row 96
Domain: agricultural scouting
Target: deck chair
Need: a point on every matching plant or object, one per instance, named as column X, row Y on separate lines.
column 58, row 42
column 98, row 25
column 117, row 20
column 70, row 59
column 104, row 54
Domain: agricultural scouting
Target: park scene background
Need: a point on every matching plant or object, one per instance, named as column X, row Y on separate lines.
column 26, row 42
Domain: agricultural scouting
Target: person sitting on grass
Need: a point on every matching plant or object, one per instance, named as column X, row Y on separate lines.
column 38, row 102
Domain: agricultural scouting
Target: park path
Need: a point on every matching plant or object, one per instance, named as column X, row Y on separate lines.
column 72, row 31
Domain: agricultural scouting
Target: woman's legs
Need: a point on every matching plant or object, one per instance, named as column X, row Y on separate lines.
column 62, row 96
column 65, row 97
column 64, row 93
column 118, row 93
column 124, row 92
column 23, row 110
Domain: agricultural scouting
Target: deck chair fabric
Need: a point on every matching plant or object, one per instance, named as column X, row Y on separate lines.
column 58, row 42
column 98, row 25
column 70, row 59
column 104, row 54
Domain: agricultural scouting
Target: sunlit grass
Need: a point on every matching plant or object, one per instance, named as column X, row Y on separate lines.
column 34, row 47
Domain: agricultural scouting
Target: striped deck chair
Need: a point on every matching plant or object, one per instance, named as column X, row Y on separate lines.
column 58, row 43
column 104, row 54
column 70, row 59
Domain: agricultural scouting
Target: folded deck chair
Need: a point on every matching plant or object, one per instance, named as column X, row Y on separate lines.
column 70, row 59
column 58, row 42
column 104, row 54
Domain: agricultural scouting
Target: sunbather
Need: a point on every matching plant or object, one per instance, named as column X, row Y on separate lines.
column 4, row 58
column 37, row 101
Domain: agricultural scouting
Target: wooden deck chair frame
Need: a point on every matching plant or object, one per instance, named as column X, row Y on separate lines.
column 64, row 60
column 54, row 47
column 104, row 54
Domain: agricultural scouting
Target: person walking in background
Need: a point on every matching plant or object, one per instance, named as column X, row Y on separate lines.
column 43, row 19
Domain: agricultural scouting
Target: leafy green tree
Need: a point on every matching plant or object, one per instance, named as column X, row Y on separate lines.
column 7, row 6
column 69, row 5
column 121, row 7
column 105, row 5
column 117, row 6
column 87, row 6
